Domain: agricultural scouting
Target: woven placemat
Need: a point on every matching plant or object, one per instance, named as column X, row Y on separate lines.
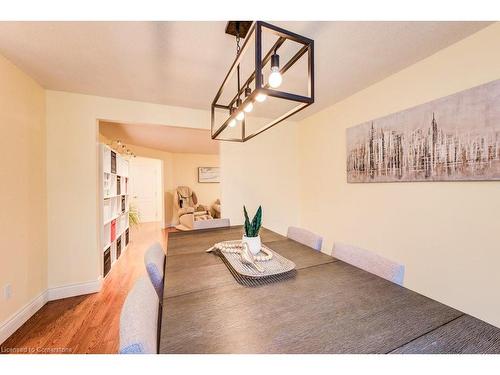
column 255, row 281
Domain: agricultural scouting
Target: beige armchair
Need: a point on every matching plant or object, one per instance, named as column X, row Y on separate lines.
column 215, row 209
column 188, row 208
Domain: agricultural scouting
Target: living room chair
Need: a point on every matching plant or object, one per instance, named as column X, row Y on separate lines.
column 215, row 210
column 189, row 210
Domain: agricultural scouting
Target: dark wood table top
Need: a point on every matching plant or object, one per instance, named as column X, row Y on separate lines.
column 328, row 307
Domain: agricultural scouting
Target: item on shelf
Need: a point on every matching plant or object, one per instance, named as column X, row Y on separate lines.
column 107, row 261
column 113, row 162
column 113, row 230
column 107, row 184
column 118, row 185
column 118, row 247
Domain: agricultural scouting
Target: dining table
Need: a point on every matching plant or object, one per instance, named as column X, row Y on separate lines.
column 328, row 306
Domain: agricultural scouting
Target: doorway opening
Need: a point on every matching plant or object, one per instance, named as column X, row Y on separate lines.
column 189, row 161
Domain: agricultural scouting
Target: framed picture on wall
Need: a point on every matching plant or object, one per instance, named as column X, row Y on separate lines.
column 208, row 175
column 454, row 138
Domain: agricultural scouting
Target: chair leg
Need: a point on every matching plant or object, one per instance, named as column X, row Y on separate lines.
column 158, row 330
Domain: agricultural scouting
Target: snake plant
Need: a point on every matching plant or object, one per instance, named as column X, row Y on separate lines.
column 252, row 228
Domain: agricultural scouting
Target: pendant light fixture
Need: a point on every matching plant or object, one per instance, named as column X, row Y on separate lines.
column 249, row 107
column 261, row 97
column 275, row 78
column 232, row 121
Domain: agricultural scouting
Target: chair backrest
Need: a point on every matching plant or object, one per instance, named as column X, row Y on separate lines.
column 139, row 320
column 305, row 237
column 154, row 259
column 186, row 197
column 211, row 223
column 370, row 262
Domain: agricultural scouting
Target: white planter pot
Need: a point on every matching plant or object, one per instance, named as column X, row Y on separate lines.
column 254, row 244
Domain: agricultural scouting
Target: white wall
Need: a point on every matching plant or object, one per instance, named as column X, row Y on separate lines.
column 263, row 171
column 446, row 233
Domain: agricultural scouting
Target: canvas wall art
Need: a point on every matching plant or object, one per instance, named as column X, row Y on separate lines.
column 455, row 138
column 208, row 174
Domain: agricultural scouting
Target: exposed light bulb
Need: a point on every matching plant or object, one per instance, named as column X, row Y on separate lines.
column 261, row 97
column 240, row 116
column 248, row 107
column 275, row 77
column 232, row 123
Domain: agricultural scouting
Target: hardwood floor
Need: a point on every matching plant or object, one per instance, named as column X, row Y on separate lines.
column 88, row 324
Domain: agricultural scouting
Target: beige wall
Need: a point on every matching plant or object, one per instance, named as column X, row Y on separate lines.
column 186, row 173
column 263, row 171
column 72, row 181
column 446, row 233
column 251, row 173
column 180, row 169
column 23, row 222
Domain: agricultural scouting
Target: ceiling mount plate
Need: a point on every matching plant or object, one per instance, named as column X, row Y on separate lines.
column 232, row 27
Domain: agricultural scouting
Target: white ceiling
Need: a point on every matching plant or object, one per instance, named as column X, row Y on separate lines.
column 160, row 137
column 184, row 63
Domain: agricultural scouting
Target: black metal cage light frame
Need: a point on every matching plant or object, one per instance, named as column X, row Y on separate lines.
column 243, row 97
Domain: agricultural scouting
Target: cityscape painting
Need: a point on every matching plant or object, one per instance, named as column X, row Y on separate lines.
column 455, row 138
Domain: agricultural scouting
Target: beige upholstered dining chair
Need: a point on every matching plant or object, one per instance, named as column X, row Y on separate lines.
column 139, row 320
column 305, row 237
column 370, row 262
column 154, row 260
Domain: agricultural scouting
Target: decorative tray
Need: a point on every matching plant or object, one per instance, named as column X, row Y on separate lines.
column 271, row 262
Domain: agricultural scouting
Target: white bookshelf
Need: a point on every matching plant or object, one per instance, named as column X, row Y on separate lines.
column 115, row 201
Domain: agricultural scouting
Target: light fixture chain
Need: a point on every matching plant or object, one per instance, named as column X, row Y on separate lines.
column 237, row 53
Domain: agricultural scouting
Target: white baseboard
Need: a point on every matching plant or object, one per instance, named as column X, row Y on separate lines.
column 13, row 323
column 74, row 290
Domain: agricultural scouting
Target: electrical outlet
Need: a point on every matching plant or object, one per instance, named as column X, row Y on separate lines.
column 7, row 291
